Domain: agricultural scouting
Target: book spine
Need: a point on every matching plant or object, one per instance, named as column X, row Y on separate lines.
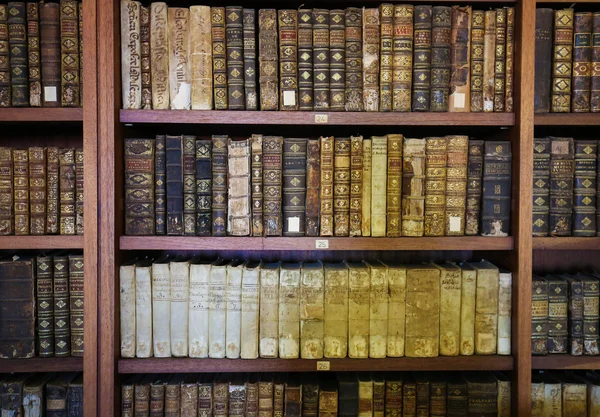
column 143, row 311
column 486, row 310
column 497, row 168
column 366, row 188
column 145, row 57
column 159, row 56
column 467, row 311
column 219, row 55
column 574, row 398
column 394, row 185
column 66, row 158
column 5, row 93
column 595, row 68
column 45, row 305
column 37, row 190
column 365, row 398
column 582, row 61
column 354, row 59
column 272, row 183
column 238, row 199
column 237, row 400
column 341, row 187
column 33, row 55
column 294, row 187
column 131, row 63
column 598, row 198
column 75, row 398
column 477, row 44
column 422, row 398
column 289, row 312
column 504, row 313
column 326, row 212
column 174, row 175
column 203, row 174
column 265, row 398
column 77, row 302
column 409, row 399
column 541, row 186
column 576, row 301
column 437, row 398
column 205, row 400
column 539, row 317
column 557, row 316
column 356, row 185
column 189, row 189
column 378, row 312
column 201, row 58
column 313, row 182
column 450, row 304
column 403, row 57
column 52, row 189
column 311, row 312
column 386, row 57
column 178, row 19
column 267, row 59
column 460, row 93
column 378, row 398
column 500, row 61
column 233, row 314
column 562, row 61
column 62, row 338
column 127, row 310
column 482, row 398
column 180, row 295
column 422, row 59
column 269, row 313
column 337, row 60
column 335, row 332
column 250, row 311
column 440, row 57
column 489, row 57
column 413, row 190
column 189, row 399
column 257, row 184
column 219, row 185
column 562, row 167
column 359, row 295
column 305, row 59
column 139, row 184
column 173, row 400
column 21, row 187
column 393, row 398
column 160, row 184
column 543, row 59
column 7, row 206
column 328, row 403
column 379, row 185
column 161, row 307
column 456, row 185
column 249, row 28
column 234, row 33
column 199, row 310
column 397, row 311
column 321, row 58
column 288, row 59
column 79, row 199
column 510, row 57
column 370, row 59
column 310, row 400
column 590, row 317
column 278, row 403
column 584, row 193
column 17, row 43
column 474, row 183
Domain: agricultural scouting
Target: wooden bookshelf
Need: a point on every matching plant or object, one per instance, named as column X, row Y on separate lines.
column 39, row 114
column 564, row 362
column 70, row 364
column 567, row 119
column 41, row 242
column 566, row 243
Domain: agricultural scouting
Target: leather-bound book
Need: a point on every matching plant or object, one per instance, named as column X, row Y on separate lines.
column 160, row 185
column 497, row 168
column 486, row 308
column 21, row 188
column 293, row 397
column 595, row 67
column 378, row 396
column 500, row 61
column 510, row 59
column 413, row 190
column 328, row 398
column 249, row 28
column 139, row 187
column 310, row 397
column 252, row 396
column 557, row 314
column 403, row 57
column 489, row 59
column 173, row 396
column 460, row 85
column 80, row 24
column 348, row 394
column 437, row 396
column 337, row 60
column 52, row 190
column 584, row 193
column 456, row 185
column 267, row 59
column 576, row 300
column 131, row 54
column 219, row 55
column 289, row 311
column 256, row 145
column 422, row 59
column 370, row 59
column 294, row 187
column 541, row 186
column 313, row 183
column 174, row 177
column 379, row 185
column 359, row 294
column 321, row 58
column 590, row 315
column 422, row 394
column 238, row 199
column 539, row 316
column 457, row 398
column 356, row 184
column 62, row 331
column 141, row 395
column 234, row 34
column 66, row 158
column 201, row 58
column 393, row 395
column 562, row 61
column 265, row 395
column 366, row 187
column 69, row 37
column 598, row 198
column 386, row 56
column 450, row 305
column 79, row 201
column 335, row 340
column 305, row 59
column 354, row 59
column 157, row 397
column 76, row 303
column 45, row 305
column 341, row 187
column 7, row 207
column 582, row 61
column 159, row 55
column 203, row 173
column 33, row 394
column 145, row 57
column 11, row 389
column 562, row 168
column 37, row 190
column 278, row 395
column 189, row 396
column 178, row 20
column 409, row 397
column 272, row 185
column 474, row 178
column 543, row 59
column 17, row 43
column 482, row 394
column 326, row 211
column 365, row 394
column 441, row 33
column 477, row 53
column 288, row 59
column 422, row 320
column 127, row 396
column 205, row 397
column 4, row 57
column 57, row 394
column 394, row 185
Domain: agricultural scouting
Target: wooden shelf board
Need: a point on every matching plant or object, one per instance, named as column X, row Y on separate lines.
column 41, row 242
column 566, row 243
column 38, row 114
column 565, row 362
column 311, row 243
column 189, row 365
column 567, row 119
column 230, row 117
column 70, row 364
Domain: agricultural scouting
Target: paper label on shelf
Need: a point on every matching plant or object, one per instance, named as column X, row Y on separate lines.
column 459, row 100
column 322, row 244
column 323, row 365
column 294, row 224
column 289, row 98
column 321, row 118
column 50, row 93
column 454, row 224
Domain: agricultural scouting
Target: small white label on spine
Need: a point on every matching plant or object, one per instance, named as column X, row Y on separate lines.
column 289, row 98
column 459, row 100
column 322, row 244
column 294, row 224
column 49, row 93
column 454, row 224
column 488, row 106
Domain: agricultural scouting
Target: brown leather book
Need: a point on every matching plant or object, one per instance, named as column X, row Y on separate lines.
column 66, row 159
column 341, row 187
column 313, row 182
column 305, row 59
column 45, row 305
column 80, row 14
column 51, row 53
column 7, row 207
column 62, row 333
column 370, row 59
column 139, row 187
column 500, row 61
column 403, row 57
column 327, row 165
column 474, row 178
column 234, row 34
column 37, row 190
column 52, row 190
column 4, row 60
column 237, row 398
column 510, row 59
column 189, row 396
column 489, row 57
column 595, row 73
column 205, row 397
column 328, row 398
column 278, row 396
column 394, row 185
column 221, row 396
column 272, row 185
column 456, row 185
column 141, row 396
column 250, row 59
column 145, row 57
column 386, row 56
column 189, row 185
column 477, row 43
column 219, row 57
column 293, row 398
column 582, row 61
column 460, row 85
column 441, row 29
column 562, row 171
column 252, row 396
column 203, row 172
column 354, row 59
column 496, row 189
column 33, row 55
column 34, row 397
column 544, row 18
column 219, row 185
column 337, row 60
column 265, row 395
column 256, row 145
column 76, row 303
column 157, row 397
column 562, row 61
column 422, row 59
column 267, row 59
column 584, row 197
column 69, row 41
column 393, row 395
column 17, row 42
column 127, row 396
column 294, row 186
column 435, row 185
column 413, row 190
column 288, row 59
column 356, row 185
column 79, row 191
column 173, row 396
column 321, row 58
column 21, row 187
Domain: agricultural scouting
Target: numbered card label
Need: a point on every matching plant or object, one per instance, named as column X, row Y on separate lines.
column 322, row 244
column 321, row 118
column 323, row 365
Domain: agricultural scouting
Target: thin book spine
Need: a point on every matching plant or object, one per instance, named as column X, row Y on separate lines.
column 288, row 59
column 21, row 188
column 582, row 62
column 189, row 185
column 440, row 57
column 595, row 69
column 37, row 190
column 7, row 207
column 174, row 176
column 203, row 173
column 403, row 57
column 500, row 61
column 219, row 57
column 131, row 63
column 305, row 59
column 17, row 42
column 354, row 59
column 370, row 60
column 219, row 185
column 477, row 44
column 321, row 58
column 267, row 59
column 510, row 59
column 562, row 61
column 256, row 144
column 159, row 56
column 422, row 59
column 145, row 57
column 34, row 58
column 5, row 93
column 356, row 184
column 201, row 58
column 386, row 57
column 249, row 28
column 474, row 178
column 160, row 185
column 234, row 34
column 337, row 59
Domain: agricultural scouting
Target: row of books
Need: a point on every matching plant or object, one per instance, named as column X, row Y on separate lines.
column 40, row 54
column 392, row 58
column 344, row 394
column 565, row 316
column 42, row 306
column 567, row 66
column 42, row 394
column 565, row 394
column 566, row 187
column 384, row 186
column 41, row 191
column 245, row 309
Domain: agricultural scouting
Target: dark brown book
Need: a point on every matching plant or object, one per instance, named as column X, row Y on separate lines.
column 221, row 396
column 409, row 398
column 457, row 399
column 144, row 56
column 437, row 396
column 252, row 396
column 257, row 184
column 234, row 34
column 541, row 186
column 189, row 185
column 403, row 56
column 482, row 395
column 370, row 59
column 174, row 178
column 203, row 174
column 539, row 316
column 460, row 65
column 237, row 398
column 422, row 59
column 189, row 396
column 139, row 187
column 62, row 333
column 337, row 60
column 356, row 185
column 288, row 59
column 80, row 7
column 313, row 181
column 423, row 399
column 141, row 396
column 69, row 41
column 305, row 59
column 160, row 184
column 219, row 185
column 75, row 397
column 79, row 191
column 562, row 61
column 57, row 395
column 278, row 396
column 157, row 397
column 52, row 190
column 21, row 188
column 598, row 198
column 4, row 58
column 321, row 58
column 489, row 59
column 477, row 44
column 76, row 280
column 66, row 159
column 249, row 28
column 582, row 61
column 293, row 398
column 500, row 61
column 37, row 190
column 562, row 166
column 265, row 395
column 310, row 397
column 7, row 206
column 354, row 60
column 127, row 396
column 17, row 43
column 219, row 55
column 45, row 305
column 595, row 69
column 205, row 397
column 341, row 187
column 378, row 395
column 11, row 392
column 294, row 187
column 272, row 185
column 474, row 175
column 510, row 60
column 440, row 57
column 328, row 398
column 386, row 56
column 558, row 302
column 584, row 192
column 173, row 396
column 495, row 205
column 576, row 301
column 268, row 63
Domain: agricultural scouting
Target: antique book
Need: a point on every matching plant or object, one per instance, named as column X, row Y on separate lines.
column 288, row 59
column 292, row 397
column 539, row 316
column 52, row 190
column 311, row 310
column 159, row 56
column 238, row 179
column 393, row 394
column 409, row 398
column 174, row 179
column 21, row 188
column 396, row 310
column 422, row 59
column 543, row 59
column 359, row 295
column 486, row 308
column 562, row 167
column 413, row 190
column 189, row 396
column 221, row 395
column 289, row 310
column 62, row 337
column 219, row 57
column 590, row 314
column 7, row 206
column 378, row 310
column 256, row 183
column 321, row 58
column 4, row 56
column 219, row 185
column 354, row 59
column 294, row 186
column 127, row 299
column 265, row 395
column 51, row 55
column 474, row 183
column 34, row 399
column 584, row 192
column 537, row 397
column 136, row 304
column 395, row 145
column 489, row 57
column 141, row 395
column 575, row 317
column 45, row 305
column 237, row 398
column 456, row 185
column 500, row 61
column 203, row 172
column 69, row 41
column 272, row 185
column 541, row 186
column 179, row 271
column 460, row 55
column 450, row 304
column 234, row 34
column 313, row 186
column 205, row 397
column 305, row 59
column 366, row 187
column 233, row 316
column 145, row 57
column 173, row 395
column 441, row 35
column 267, row 59
column 328, row 398
column 161, row 308
column 337, row 60
column 435, row 185
column 11, row 389
column 341, row 187
column 574, row 395
column 131, row 54
column 17, row 44
column 482, row 394
column 422, row 311
column 201, row 75
column 160, row 185
column 179, row 65
column 356, row 185
column 327, row 164
column 386, row 56
column 497, row 168
column 557, row 314
column 76, row 301
column 56, row 394
column 250, row 310
column 467, row 309
column 189, row 185
column 378, row 396
column 249, row 28
column 365, row 394
column 477, row 54
column 510, row 58
column 593, row 393
column 422, row 395
column 504, row 312
column 403, row 57
column 17, row 298
column 437, row 396
column 310, row 397
column 66, row 159
column 370, row 60
column 562, row 61
column 199, row 308
column 348, row 394
column 127, row 396
column 457, row 399
column 79, row 183
column 335, row 340
column 37, row 190
column 595, row 68
column 75, row 396
column 552, row 395
column 379, row 182
column 269, row 310
column 217, row 309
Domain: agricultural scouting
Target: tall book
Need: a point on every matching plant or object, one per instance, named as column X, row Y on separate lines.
column 305, row 59
column 500, row 61
column 395, row 145
column 378, row 310
column 21, row 188
column 335, row 339
column 249, row 27
column 477, row 53
column 62, row 337
column 77, row 302
column 256, row 165
column 179, row 65
column 393, row 395
column 440, row 57
column 145, row 57
column 436, row 157
column 269, row 310
column 203, row 172
column 52, row 190
column 403, row 57
column 189, row 185
column 79, row 183
column 127, row 307
column 219, row 185
column 341, row 187
column 217, row 309
column 562, row 61
column 365, row 395
column 327, row 164
column 457, row 399
column 131, row 54
column 438, row 391
column 510, row 58
column 288, row 59
column 378, row 396
column 142, row 302
column 584, row 192
column 576, row 300
column 543, row 59
column 337, row 60
column 233, row 316
column 67, row 177
column 379, row 185
column 422, row 59
column 234, row 34
column 537, row 397
column 497, row 168
column 219, row 55
column 200, row 38
column 161, row 308
column 293, row 397
column 467, row 309
column 159, row 55
column 250, row 310
column 504, row 312
column 17, row 43
column 267, row 59
column 5, row 93
column 590, row 315
column 45, row 305
column 460, row 48
column 574, row 395
column 562, row 167
column 539, row 316
column 237, row 398
column 69, row 42
column 489, row 56
column 189, row 396
column 359, row 290
column 310, row 397
column 173, row 395
column 205, row 397
column 370, row 59
column 541, row 186
column 37, row 190
column 422, row 311
column 238, row 178
column 413, row 188
column 557, row 314
column 474, row 183
column 313, row 186
column 356, row 184
column 174, row 178
column 141, row 395
column 289, row 311
column 482, row 394
column 321, row 58
column 7, row 206
column 367, row 175
column 354, row 59
column 160, row 185
column 199, row 308
column 450, row 305
column 179, row 271
column 456, row 185
column 486, row 308
column 396, row 310
column 294, row 186
column 348, row 394
column 595, row 72
column 272, row 185
column 386, row 56
column 328, row 398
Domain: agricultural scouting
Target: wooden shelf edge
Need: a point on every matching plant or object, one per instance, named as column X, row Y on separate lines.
column 41, row 242
column 38, row 114
column 567, row 119
column 566, row 243
column 189, row 365
column 565, row 362
column 70, row 364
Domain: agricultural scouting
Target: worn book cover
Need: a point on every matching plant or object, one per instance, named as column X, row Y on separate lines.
column 131, row 55
column 379, row 186
column 359, row 290
column 217, row 308
column 233, row 317
column 341, row 187
column 159, row 55
column 312, row 310
column 7, row 206
column 257, row 188
column 267, row 59
column 77, row 302
column 179, row 65
column 294, row 186
column 67, row 189
column 219, row 55
column 386, row 56
column 336, row 311
column 45, row 305
column 500, row 61
column 436, row 157
column 272, row 185
column 189, row 185
column 21, row 188
column 288, row 59
column 585, row 184
column 289, row 310
column 337, row 60
column 450, row 302
column 467, row 309
column 17, row 43
column 354, row 59
column 486, row 308
column 497, row 169
column 4, row 54
column 37, row 190
column 562, row 61
column 313, row 186
column 305, row 59
column 370, row 59
column 238, row 178
column 460, row 93
column 219, row 185
column 249, row 27
column 403, row 57
column 422, row 311
column 477, row 62
column 474, row 183
column 250, row 310
column 200, row 38
column 413, row 190
column 378, row 310
column 422, row 59
column 174, row 179
column 234, row 41
column 321, row 58
column 562, row 169
column 394, row 185
column 441, row 34
column 367, row 176
column 326, row 212
column 269, row 310
column 489, row 48
column 356, row 184
column 62, row 337
column 456, row 185
column 203, row 186
column 199, row 308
